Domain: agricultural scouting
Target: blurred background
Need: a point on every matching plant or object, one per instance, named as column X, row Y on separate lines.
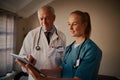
column 20, row 17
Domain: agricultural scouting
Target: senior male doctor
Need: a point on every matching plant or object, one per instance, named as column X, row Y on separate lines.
column 45, row 45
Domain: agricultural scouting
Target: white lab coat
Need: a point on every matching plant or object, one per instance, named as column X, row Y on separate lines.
column 48, row 56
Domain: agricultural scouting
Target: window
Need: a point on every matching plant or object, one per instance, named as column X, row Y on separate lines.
column 7, row 43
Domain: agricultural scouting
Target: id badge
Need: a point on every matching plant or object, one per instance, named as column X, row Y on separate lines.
column 77, row 62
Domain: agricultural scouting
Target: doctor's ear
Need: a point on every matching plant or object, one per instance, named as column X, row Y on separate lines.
column 54, row 16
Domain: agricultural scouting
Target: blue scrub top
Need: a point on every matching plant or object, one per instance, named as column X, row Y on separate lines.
column 88, row 66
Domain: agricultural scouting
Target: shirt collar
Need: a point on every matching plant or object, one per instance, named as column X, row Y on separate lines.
column 51, row 31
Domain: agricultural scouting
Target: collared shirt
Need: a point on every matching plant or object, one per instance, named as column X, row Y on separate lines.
column 51, row 31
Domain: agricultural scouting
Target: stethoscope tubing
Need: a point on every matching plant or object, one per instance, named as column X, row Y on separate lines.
column 38, row 47
column 78, row 57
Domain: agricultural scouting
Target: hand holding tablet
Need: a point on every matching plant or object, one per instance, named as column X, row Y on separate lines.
column 22, row 58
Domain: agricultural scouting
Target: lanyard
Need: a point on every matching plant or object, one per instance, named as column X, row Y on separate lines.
column 78, row 60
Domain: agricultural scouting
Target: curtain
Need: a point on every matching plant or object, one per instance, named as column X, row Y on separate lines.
column 7, row 44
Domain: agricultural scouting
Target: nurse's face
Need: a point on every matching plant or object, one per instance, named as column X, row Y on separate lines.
column 46, row 19
column 75, row 25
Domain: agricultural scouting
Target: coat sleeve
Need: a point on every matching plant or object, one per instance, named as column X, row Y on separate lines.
column 26, row 47
column 25, row 50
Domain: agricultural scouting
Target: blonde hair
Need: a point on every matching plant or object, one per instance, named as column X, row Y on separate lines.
column 85, row 19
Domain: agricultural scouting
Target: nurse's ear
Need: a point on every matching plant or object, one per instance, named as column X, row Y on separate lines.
column 84, row 26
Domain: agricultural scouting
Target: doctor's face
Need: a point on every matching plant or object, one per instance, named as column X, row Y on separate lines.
column 46, row 18
column 75, row 25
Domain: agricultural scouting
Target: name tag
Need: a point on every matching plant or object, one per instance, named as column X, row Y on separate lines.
column 77, row 63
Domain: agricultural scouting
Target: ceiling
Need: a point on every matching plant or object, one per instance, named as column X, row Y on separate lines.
column 23, row 8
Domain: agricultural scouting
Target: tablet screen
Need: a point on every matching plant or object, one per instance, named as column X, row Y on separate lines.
column 22, row 58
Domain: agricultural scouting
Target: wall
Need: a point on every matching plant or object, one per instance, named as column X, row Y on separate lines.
column 24, row 25
column 20, row 29
column 105, row 17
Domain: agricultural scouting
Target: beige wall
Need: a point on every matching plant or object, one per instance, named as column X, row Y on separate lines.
column 20, row 31
column 105, row 21
column 24, row 25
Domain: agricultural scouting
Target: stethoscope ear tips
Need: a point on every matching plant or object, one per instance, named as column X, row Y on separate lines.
column 37, row 48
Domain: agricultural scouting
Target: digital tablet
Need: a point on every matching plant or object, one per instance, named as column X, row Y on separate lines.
column 22, row 58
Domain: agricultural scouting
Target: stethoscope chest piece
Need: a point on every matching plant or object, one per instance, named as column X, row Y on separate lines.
column 37, row 48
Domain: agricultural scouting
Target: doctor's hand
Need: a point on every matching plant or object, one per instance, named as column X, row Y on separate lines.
column 31, row 59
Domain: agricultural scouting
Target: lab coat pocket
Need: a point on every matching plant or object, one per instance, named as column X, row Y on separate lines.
column 58, row 61
column 60, row 52
column 60, row 49
column 59, row 55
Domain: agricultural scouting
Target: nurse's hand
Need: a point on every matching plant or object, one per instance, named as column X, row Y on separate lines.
column 20, row 62
column 54, row 72
column 31, row 59
column 35, row 74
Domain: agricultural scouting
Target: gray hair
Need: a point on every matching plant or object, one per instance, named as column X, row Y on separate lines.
column 51, row 9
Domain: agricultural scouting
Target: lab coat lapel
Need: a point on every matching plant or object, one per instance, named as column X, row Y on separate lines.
column 54, row 37
column 52, row 43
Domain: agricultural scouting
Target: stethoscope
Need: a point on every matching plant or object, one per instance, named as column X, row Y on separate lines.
column 78, row 60
column 38, row 47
